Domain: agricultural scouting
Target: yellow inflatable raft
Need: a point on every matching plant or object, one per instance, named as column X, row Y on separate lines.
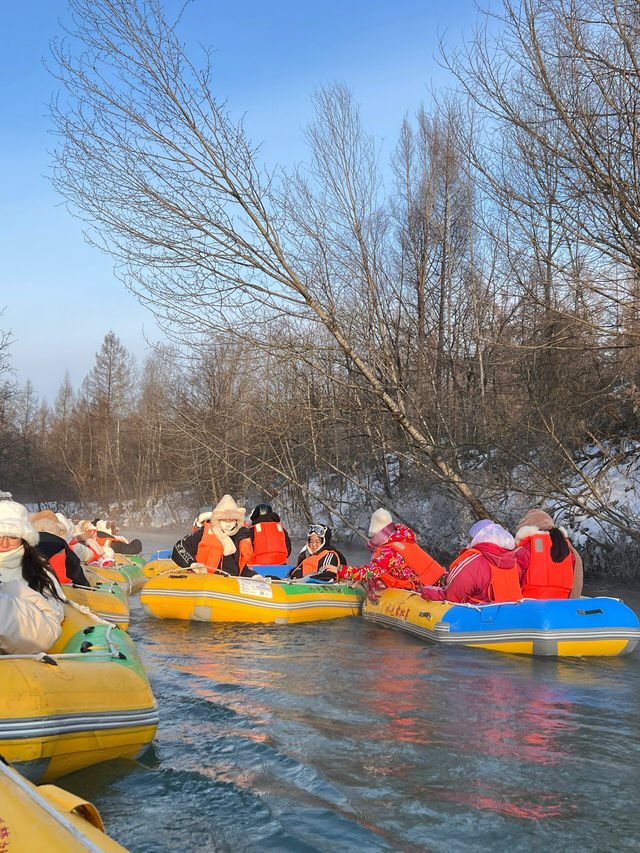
column 47, row 818
column 108, row 601
column 159, row 566
column 130, row 576
column 87, row 700
column 220, row 598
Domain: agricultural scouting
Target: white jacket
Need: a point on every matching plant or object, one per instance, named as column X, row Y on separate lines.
column 29, row 622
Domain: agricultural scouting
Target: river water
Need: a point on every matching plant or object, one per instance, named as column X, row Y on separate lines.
column 345, row 736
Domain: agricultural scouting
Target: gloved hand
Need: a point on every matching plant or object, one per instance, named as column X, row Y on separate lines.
column 198, row 569
column 374, row 588
column 260, row 578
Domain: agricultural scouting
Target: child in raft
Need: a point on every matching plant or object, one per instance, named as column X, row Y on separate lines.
column 318, row 557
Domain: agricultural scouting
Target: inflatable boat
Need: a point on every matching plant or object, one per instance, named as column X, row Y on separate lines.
column 108, row 601
column 159, row 566
column 86, row 700
column 220, row 598
column 161, row 563
column 47, row 818
column 573, row 627
column 128, row 559
column 130, row 576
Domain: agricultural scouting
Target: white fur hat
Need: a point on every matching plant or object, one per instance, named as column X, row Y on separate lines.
column 14, row 521
column 228, row 508
column 380, row 518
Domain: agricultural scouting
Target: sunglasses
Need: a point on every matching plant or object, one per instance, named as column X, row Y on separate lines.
column 319, row 529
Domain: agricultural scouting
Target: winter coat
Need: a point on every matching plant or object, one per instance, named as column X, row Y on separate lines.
column 29, row 622
column 471, row 578
column 185, row 550
column 387, row 561
column 118, row 544
column 48, row 545
column 327, row 558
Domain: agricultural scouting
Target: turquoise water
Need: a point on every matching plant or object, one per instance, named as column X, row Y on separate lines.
column 346, row 736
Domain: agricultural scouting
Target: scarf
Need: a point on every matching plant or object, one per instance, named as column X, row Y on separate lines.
column 11, row 564
column 228, row 545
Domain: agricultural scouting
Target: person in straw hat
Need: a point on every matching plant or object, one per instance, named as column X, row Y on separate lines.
column 221, row 544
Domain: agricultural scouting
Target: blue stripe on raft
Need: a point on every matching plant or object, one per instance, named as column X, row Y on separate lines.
column 548, row 614
column 161, row 555
column 280, row 571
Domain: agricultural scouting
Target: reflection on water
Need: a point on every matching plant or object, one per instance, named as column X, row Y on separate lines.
column 343, row 736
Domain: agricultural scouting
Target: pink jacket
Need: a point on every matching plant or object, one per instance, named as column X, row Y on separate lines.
column 470, row 579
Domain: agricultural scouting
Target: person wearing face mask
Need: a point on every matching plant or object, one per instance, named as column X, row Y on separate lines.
column 397, row 560
column 31, row 600
column 222, row 544
column 318, row 557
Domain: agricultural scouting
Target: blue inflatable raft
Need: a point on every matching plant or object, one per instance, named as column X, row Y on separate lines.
column 558, row 628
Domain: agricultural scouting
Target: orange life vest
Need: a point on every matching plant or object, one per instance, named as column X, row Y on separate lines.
column 310, row 564
column 105, row 539
column 95, row 555
column 59, row 565
column 210, row 550
column 544, row 578
column 426, row 568
column 269, row 544
column 504, row 584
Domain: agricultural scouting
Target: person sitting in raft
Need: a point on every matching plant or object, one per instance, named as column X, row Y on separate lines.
column 82, row 544
column 221, row 544
column 108, row 536
column 89, row 551
column 65, row 563
column 550, row 567
column 397, row 561
column 318, row 557
column 31, row 600
column 485, row 571
column 271, row 543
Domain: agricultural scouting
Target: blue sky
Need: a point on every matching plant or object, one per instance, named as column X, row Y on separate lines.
column 59, row 294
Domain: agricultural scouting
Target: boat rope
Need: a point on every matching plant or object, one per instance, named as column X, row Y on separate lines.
column 82, row 608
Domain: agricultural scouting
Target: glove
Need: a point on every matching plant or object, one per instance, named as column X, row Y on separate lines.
column 260, row 578
column 374, row 588
column 198, row 569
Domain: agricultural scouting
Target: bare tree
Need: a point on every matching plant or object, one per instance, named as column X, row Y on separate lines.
column 107, row 393
column 175, row 191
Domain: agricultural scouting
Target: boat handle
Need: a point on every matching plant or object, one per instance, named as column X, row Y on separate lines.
column 589, row 612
